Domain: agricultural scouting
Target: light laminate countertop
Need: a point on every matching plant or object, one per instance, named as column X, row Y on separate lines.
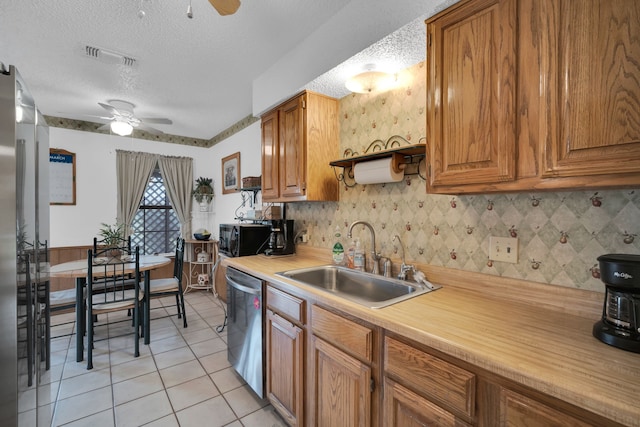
column 536, row 343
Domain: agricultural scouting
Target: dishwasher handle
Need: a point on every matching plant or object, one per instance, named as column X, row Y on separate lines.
column 242, row 288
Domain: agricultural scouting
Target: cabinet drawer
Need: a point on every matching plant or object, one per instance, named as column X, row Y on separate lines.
column 404, row 408
column 433, row 377
column 349, row 336
column 286, row 305
column 516, row 409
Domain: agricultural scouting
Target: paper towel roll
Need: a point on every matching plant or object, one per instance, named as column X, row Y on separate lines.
column 377, row 171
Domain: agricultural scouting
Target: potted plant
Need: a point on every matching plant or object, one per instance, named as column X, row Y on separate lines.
column 203, row 192
column 112, row 236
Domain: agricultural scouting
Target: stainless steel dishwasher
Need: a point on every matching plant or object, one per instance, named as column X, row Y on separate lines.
column 245, row 328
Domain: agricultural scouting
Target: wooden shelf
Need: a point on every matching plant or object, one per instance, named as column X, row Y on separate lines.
column 254, row 191
column 414, row 150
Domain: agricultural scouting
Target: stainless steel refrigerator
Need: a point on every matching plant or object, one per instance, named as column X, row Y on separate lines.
column 24, row 261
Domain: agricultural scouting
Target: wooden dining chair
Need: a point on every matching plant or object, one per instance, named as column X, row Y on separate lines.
column 159, row 288
column 109, row 290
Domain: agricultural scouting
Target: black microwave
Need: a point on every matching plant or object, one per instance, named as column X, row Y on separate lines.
column 243, row 239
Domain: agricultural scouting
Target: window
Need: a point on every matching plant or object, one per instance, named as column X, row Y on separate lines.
column 155, row 226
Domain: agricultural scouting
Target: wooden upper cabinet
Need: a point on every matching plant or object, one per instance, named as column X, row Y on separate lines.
column 270, row 155
column 527, row 95
column 471, row 81
column 592, row 68
column 292, row 149
column 299, row 139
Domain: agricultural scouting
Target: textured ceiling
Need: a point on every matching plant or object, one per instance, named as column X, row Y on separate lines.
column 197, row 72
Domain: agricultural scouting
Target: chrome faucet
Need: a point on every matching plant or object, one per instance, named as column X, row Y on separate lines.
column 375, row 256
column 404, row 268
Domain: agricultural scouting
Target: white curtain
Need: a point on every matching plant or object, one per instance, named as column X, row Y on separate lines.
column 133, row 171
column 177, row 173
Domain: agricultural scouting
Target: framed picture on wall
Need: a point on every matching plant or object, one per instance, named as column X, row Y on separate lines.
column 231, row 173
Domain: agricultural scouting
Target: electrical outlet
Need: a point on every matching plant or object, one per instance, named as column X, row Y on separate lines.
column 503, row 249
column 304, row 237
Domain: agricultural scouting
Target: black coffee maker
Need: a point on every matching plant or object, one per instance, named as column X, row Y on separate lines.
column 281, row 238
column 620, row 324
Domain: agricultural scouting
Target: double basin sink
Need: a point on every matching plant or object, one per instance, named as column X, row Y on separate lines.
column 363, row 288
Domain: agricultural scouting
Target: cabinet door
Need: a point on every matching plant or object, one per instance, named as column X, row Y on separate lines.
column 471, row 84
column 404, row 408
column 593, row 75
column 219, row 281
column 270, row 156
column 342, row 387
column 285, row 368
column 292, row 148
column 517, row 410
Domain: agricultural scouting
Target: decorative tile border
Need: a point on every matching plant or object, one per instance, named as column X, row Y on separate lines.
column 85, row 126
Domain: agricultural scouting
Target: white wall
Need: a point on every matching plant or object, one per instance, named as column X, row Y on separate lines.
column 247, row 142
column 96, row 179
column 358, row 25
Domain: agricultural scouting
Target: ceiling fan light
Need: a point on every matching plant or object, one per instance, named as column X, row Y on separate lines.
column 371, row 81
column 121, row 128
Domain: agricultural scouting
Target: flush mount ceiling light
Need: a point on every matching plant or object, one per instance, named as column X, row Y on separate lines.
column 122, row 120
column 370, row 81
column 121, row 128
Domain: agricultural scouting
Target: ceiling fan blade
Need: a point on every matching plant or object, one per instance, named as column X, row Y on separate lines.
column 105, row 127
column 109, row 108
column 225, row 7
column 157, row 121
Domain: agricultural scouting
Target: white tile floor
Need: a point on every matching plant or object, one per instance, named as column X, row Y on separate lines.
column 181, row 379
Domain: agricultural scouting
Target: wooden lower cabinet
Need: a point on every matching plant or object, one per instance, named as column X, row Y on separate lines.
column 342, row 387
column 517, row 410
column 447, row 392
column 285, row 354
column 285, row 368
column 425, row 388
column 329, row 368
column 219, row 280
column 404, row 408
column 343, row 371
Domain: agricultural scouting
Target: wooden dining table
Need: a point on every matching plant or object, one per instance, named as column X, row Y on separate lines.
column 78, row 270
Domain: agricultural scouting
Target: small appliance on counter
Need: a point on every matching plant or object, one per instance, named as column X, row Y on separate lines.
column 620, row 324
column 281, row 237
column 238, row 240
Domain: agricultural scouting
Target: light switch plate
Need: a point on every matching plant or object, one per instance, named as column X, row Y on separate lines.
column 503, row 249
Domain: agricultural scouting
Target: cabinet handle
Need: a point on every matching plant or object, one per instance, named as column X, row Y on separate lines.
column 372, row 385
column 242, row 288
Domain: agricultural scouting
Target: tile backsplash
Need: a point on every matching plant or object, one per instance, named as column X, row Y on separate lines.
column 560, row 233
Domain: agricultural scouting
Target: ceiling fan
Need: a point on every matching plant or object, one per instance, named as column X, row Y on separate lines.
column 123, row 121
column 225, row 7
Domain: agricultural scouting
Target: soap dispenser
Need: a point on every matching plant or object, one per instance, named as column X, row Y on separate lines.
column 338, row 249
column 358, row 257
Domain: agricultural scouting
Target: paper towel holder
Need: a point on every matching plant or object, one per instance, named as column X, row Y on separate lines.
column 397, row 162
column 405, row 156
